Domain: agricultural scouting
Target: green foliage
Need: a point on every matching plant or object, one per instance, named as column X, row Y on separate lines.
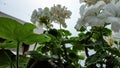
column 8, row 44
column 82, row 29
column 37, row 56
column 19, row 32
column 95, row 58
column 64, row 32
column 7, row 58
column 57, row 46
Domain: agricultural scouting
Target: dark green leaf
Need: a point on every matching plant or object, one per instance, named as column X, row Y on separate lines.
column 107, row 32
column 38, row 56
column 82, row 29
column 97, row 57
column 23, row 61
column 6, row 57
column 64, row 32
column 114, row 51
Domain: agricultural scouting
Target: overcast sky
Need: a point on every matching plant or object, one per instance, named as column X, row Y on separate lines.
column 22, row 9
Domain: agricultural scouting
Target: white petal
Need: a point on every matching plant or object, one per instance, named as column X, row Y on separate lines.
column 110, row 10
column 113, row 20
column 82, row 9
column 94, row 21
column 115, row 27
column 80, row 23
column 34, row 16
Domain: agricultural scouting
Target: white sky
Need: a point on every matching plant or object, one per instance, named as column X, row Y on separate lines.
column 22, row 9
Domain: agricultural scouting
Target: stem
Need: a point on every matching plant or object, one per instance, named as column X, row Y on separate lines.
column 86, row 48
column 65, row 51
column 35, row 46
column 86, row 51
column 9, row 59
column 101, row 65
column 101, row 35
column 17, row 55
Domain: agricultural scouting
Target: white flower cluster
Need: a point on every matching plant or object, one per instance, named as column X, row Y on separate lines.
column 41, row 17
column 46, row 16
column 59, row 14
column 100, row 13
column 92, row 2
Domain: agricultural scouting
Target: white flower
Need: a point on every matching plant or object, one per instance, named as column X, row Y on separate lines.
column 34, row 17
column 59, row 14
column 112, row 14
column 41, row 17
column 100, row 13
column 93, row 2
column 91, row 16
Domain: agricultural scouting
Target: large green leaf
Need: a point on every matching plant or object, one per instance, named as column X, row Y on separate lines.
column 40, row 38
column 13, row 30
column 8, row 27
column 24, row 31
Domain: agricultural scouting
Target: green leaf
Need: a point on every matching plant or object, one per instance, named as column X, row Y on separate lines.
column 38, row 56
column 77, row 46
column 13, row 30
column 6, row 57
column 97, row 57
column 107, row 32
column 81, row 57
column 82, row 29
column 24, row 31
column 64, row 32
column 8, row 27
column 40, row 38
column 54, row 32
column 114, row 51
column 23, row 61
column 8, row 44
